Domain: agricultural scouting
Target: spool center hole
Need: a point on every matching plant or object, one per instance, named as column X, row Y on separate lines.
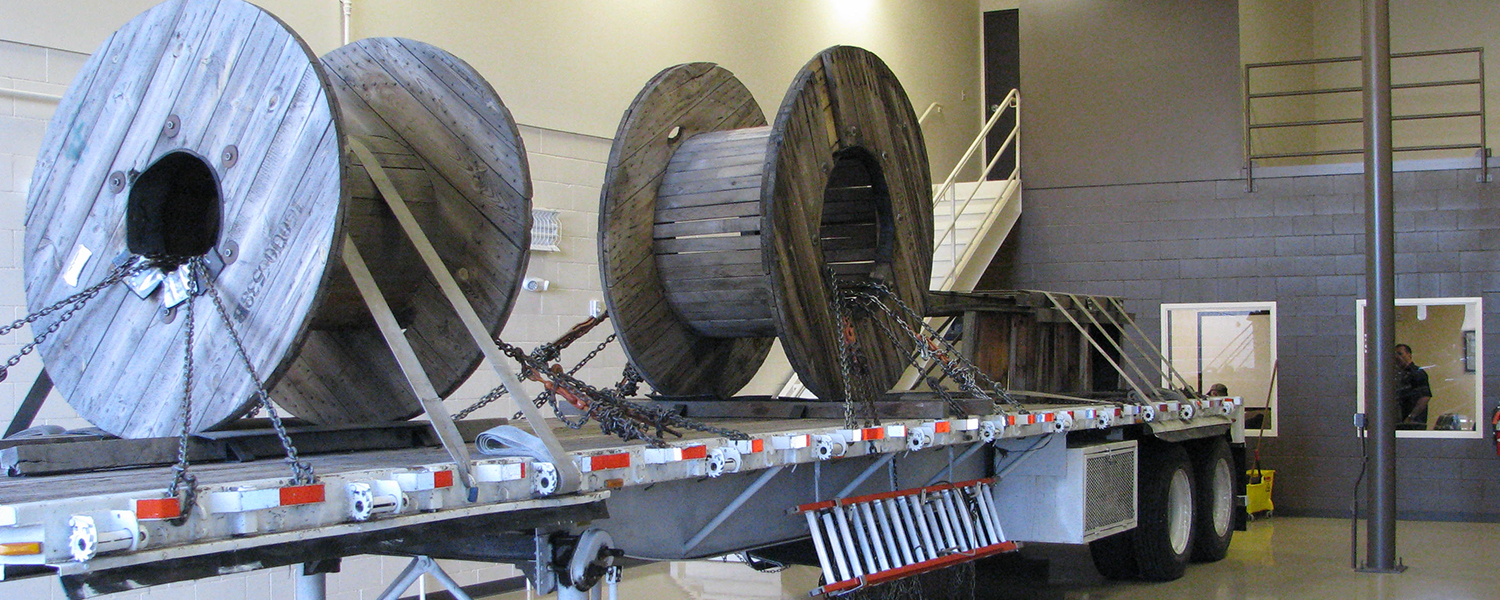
column 857, row 228
column 173, row 212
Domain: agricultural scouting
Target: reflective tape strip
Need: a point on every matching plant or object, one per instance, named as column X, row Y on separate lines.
column 609, row 461
column 313, row 494
column 941, row 427
column 969, row 424
column 791, row 442
column 155, row 509
column 874, row 433
column 442, row 479
column 895, row 431
column 694, row 452
column 490, row 473
column 658, row 456
column 750, row 446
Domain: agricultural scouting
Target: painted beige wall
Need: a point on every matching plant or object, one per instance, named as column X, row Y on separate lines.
column 1281, row 29
column 575, row 66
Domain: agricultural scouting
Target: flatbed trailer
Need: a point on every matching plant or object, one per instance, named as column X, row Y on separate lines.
column 704, row 495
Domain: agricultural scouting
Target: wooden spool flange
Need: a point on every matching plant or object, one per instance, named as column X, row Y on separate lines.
column 263, row 128
column 720, row 233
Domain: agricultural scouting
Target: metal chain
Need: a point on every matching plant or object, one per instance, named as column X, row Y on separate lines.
column 73, row 304
column 545, row 353
column 930, row 344
column 845, row 370
column 302, row 471
column 180, row 476
column 616, row 415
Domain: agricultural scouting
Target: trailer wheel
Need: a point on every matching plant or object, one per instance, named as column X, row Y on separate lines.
column 1213, row 469
column 1114, row 556
column 1164, row 524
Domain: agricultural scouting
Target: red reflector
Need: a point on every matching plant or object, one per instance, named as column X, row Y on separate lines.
column 692, row 452
column 942, row 427
column 302, row 494
column 1012, row 419
column 442, row 479
column 1048, row 417
column 874, row 433
column 157, row 508
column 610, row 461
column 757, row 445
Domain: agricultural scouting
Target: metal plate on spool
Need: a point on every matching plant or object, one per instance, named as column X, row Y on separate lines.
column 684, row 100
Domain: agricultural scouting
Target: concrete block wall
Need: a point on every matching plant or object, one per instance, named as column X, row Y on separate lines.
column 567, row 171
column 1298, row 241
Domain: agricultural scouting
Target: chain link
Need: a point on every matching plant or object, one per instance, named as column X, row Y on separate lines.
column 615, row 414
column 547, row 353
column 180, row 476
column 302, row 471
column 73, row 304
column 870, row 297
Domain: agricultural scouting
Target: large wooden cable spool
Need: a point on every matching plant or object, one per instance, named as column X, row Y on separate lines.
column 722, row 233
column 212, row 130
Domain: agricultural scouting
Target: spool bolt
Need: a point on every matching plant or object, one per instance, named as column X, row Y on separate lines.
column 674, row 134
column 171, row 127
column 229, row 156
column 117, row 182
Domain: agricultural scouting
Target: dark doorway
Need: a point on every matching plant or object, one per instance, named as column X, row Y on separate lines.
column 1002, row 73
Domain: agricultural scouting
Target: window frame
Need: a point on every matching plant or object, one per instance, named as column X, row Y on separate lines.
column 1274, row 402
column 1359, row 366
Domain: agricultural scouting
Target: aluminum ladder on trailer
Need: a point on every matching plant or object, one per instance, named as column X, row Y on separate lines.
column 871, row 539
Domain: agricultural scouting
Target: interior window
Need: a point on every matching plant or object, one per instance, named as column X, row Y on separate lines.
column 1439, row 356
column 1229, row 344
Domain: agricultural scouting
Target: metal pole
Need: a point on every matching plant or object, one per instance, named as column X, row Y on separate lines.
column 1380, row 287
column 312, row 587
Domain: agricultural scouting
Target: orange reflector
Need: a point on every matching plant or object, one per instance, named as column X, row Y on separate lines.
column 157, row 508
column 442, row 479
column 942, row 427
column 874, row 433
column 757, row 445
column 692, row 452
column 302, row 494
column 614, row 484
column 20, row 548
column 610, row 461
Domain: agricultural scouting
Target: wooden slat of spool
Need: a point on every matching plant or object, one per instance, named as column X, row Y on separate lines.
column 458, row 162
column 839, row 185
column 232, row 75
column 671, row 356
column 844, row 103
column 117, row 362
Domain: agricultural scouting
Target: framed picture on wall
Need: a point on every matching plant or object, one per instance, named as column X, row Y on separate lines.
column 1469, row 354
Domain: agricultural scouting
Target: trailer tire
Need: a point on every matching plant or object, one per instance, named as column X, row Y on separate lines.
column 1165, row 522
column 1114, row 556
column 1213, row 470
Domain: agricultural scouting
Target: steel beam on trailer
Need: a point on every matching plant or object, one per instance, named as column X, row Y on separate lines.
column 570, row 477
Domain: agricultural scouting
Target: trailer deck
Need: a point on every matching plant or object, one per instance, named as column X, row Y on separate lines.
column 103, row 530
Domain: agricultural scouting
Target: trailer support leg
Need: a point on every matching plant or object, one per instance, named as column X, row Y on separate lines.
column 312, row 586
column 419, row 566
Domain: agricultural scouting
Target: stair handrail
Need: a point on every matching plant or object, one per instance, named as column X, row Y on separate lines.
column 1011, row 99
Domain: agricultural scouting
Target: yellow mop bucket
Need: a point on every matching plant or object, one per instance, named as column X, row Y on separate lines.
column 1258, row 492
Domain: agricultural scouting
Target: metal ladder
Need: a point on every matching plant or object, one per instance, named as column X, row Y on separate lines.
column 871, row 539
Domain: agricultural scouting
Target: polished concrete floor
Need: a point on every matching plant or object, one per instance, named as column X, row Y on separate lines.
column 1299, row 559
column 1277, row 559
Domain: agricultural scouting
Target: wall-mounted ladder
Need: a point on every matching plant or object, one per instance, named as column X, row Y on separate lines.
column 872, row 539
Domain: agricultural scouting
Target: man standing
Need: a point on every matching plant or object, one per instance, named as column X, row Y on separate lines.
column 1412, row 391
